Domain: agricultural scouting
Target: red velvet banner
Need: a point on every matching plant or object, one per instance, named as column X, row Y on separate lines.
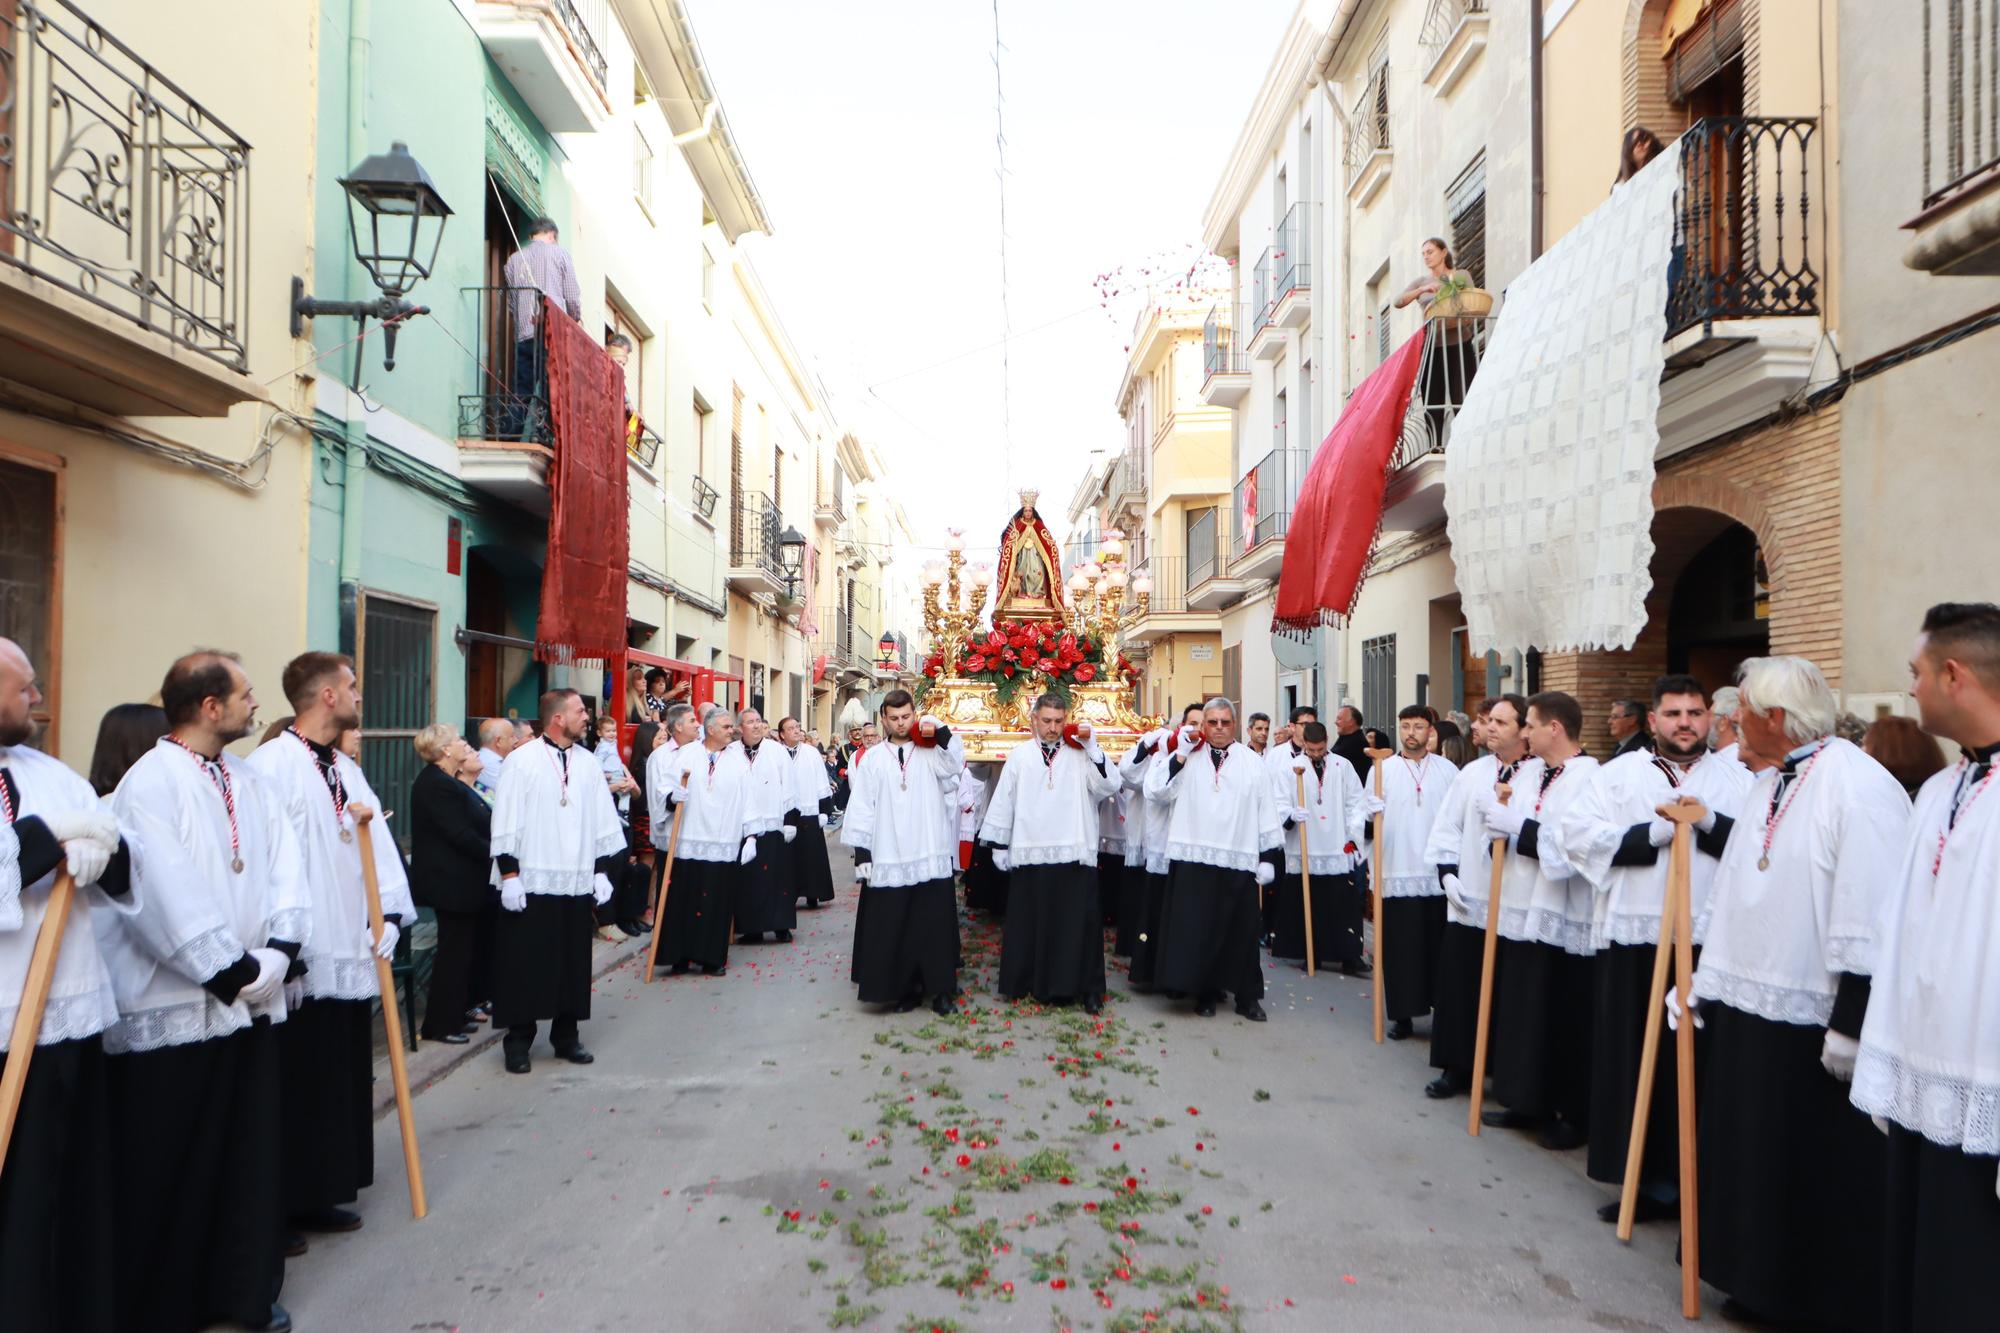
column 590, row 539
column 1339, row 509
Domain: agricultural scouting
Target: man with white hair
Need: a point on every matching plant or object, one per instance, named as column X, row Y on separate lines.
column 711, row 780
column 1792, row 1175
column 496, row 742
column 766, row 900
column 1930, row 1057
column 1224, row 844
column 1722, row 736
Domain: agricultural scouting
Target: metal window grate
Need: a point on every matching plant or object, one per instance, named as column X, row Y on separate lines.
column 1378, row 681
column 398, row 681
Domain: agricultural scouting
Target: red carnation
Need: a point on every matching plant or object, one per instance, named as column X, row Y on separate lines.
column 1028, row 658
column 1010, row 669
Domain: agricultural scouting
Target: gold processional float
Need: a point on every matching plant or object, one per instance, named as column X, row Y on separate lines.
column 982, row 676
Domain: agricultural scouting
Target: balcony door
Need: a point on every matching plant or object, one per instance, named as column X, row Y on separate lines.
column 1705, row 77
column 31, row 542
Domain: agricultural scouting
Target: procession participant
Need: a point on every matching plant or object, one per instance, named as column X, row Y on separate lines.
column 1044, row 827
column 556, row 844
column 1329, row 822
column 1300, row 715
column 1111, row 815
column 326, row 1045
column 710, row 782
column 200, row 971
column 985, row 885
column 1130, row 888
column 1462, row 851
column 1287, row 746
column 766, row 899
column 1928, row 1065
column 1157, row 814
column 57, row 1207
column 1540, row 1025
column 1792, row 1194
column 1414, row 784
column 1259, row 736
column 1722, row 736
column 900, row 824
column 1617, row 842
column 1223, row 843
column 812, row 801
column 627, row 905
column 683, row 728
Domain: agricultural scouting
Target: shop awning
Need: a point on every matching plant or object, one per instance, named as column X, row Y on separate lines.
column 1339, row 509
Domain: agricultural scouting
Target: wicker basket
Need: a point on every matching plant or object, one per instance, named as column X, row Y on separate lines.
column 1470, row 301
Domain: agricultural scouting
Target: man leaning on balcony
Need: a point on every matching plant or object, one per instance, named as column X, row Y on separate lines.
column 539, row 268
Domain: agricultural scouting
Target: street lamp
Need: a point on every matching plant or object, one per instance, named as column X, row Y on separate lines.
column 791, row 558
column 393, row 209
column 885, row 649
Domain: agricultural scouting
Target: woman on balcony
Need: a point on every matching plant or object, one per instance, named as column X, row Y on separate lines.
column 1451, row 357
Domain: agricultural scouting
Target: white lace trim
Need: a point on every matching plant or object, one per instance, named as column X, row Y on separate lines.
column 11, row 917
column 700, row 849
column 1411, row 886
column 757, row 828
column 1157, row 862
column 1203, row 855
column 204, row 1019
column 1954, row 1112
column 293, row 924
column 1078, row 853
column 1323, row 863
column 902, row 874
column 341, row 978
column 558, row 883
column 65, row 1018
column 1851, row 953
column 1539, row 925
column 206, row 954
column 1780, row 1004
column 1111, row 844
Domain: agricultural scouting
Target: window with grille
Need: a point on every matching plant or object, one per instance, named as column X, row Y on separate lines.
column 1382, row 335
column 398, row 679
column 1378, row 682
column 1465, row 205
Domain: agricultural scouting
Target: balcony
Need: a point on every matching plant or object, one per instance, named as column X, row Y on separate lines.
column 1267, row 338
column 1263, row 512
column 1210, row 586
column 838, row 643
column 1454, row 35
column 1743, row 292
column 754, row 569
column 505, row 439
column 1291, row 269
column 830, row 510
column 1453, row 347
column 1225, row 369
column 1169, row 611
column 124, row 226
column 1126, row 488
column 642, row 446
column 1369, row 155
column 1957, row 233
column 552, row 55
column 848, row 547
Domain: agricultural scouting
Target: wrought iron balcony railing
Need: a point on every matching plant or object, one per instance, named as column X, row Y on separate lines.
column 1961, row 96
column 753, row 534
column 1208, row 547
column 1743, row 222
column 705, row 497
column 1441, row 20
column 511, row 402
column 1169, row 574
column 1262, row 302
column 644, row 446
column 1453, row 346
column 1219, row 353
column 1368, row 123
column 1264, row 497
column 584, row 39
column 119, row 187
column 1291, row 254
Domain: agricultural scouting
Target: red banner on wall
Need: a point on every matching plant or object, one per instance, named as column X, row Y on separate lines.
column 590, row 539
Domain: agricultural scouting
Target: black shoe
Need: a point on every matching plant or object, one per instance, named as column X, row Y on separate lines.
column 784, row 937
column 328, row 1219
column 1499, row 1118
column 1205, row 1009
column 635, row 929
column 295, row 1244
column 1562, row 1135
column 722, row 971
column 1252, row 1011
column 1649, row 1210
column 517, row 1062
column 678, row 970
column 1442, row 1087
column 576, row 1055
column 750, row 939
column 1093, row 1004
column 941, row 1005
column 1354, row 967
column 1401, row 1030
column 455, row 1039
column 906, row 1004
column 279, row 1322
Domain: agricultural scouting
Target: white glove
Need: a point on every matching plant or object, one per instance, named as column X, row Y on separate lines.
column 1372, row 805
column 295, row 993
column 386, row 948
column 1660, row 832
column 863, row 871
column 749, row 852
column 87, row 860
column 1003, row 860
column 93, row 824
column 1707, row 822
column 1674, row 1010
column 272, row 964
column 1189, row 735
column 1265, row 874
column 600, row 889
column 1504, row 821
column 788, row 832
column 1298, row 814
column 822, row 820
column 1454, row 893
column 1837, row 1055
column 513, row 894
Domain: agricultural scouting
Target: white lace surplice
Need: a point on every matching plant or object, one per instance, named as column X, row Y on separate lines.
column 1549, row 477
column 1049, row 813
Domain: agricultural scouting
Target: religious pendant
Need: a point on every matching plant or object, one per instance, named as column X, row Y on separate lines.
column 564, row 800
column 236, row 864
column 347, row 835
column 906, row 782
column 1763, row 863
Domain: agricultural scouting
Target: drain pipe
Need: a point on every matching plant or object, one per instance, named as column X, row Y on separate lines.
column 1336, row 34
column 354, row 480
column 1534, row 132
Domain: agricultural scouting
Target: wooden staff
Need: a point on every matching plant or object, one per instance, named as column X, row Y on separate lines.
column 1499, row 857
column 1375, row 887
column 34, row 999
column 392, row 1017
column 1305, row 874
column 660, row 900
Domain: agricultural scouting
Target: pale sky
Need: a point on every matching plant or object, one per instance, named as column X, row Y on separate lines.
column 868, row 127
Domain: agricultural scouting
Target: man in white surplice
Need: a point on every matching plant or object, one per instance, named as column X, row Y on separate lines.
column 557, row 840
column 1414, row 783
column 326, row 1047
column 1328, row 825
column 1046, row 829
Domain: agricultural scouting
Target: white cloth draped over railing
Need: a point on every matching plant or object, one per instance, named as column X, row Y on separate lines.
column 1549, row 477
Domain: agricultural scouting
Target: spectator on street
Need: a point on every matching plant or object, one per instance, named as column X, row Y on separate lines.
column 349, row 743
column 1899, row 744
column 126, row 732
column 450, row 872
column 1352, row 743
column 524, row 731
column 496, row 741
column 1627, row 725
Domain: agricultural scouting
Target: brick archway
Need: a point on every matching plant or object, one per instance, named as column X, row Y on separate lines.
column 1695, row 490
column 1645, row 75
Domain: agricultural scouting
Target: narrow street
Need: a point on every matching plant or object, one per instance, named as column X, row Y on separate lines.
column 761, row 1152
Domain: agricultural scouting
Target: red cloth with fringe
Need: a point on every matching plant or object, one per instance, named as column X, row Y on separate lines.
column 1339, row 509
column 590, row 538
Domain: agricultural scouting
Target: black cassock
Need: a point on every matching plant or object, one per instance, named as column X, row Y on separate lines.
column 985, row 883
column 1052, row 946
column 812, row 872
column 541, row 962
column 1336, row 903
column 1110, row 873
column 1540, row 1030
column 57, row 1211
column 1150, row 892
column 1624, row 986
column 1411, row 953
column 701, row 900
column 1455, row 1002
column 906, row 941
column 1209, row 922
column 326, row 1053
column 766, row 896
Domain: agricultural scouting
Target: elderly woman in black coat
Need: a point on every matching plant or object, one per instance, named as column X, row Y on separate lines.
column 451, row 873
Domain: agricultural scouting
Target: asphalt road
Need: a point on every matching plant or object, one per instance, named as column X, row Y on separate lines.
column 759, row 1151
